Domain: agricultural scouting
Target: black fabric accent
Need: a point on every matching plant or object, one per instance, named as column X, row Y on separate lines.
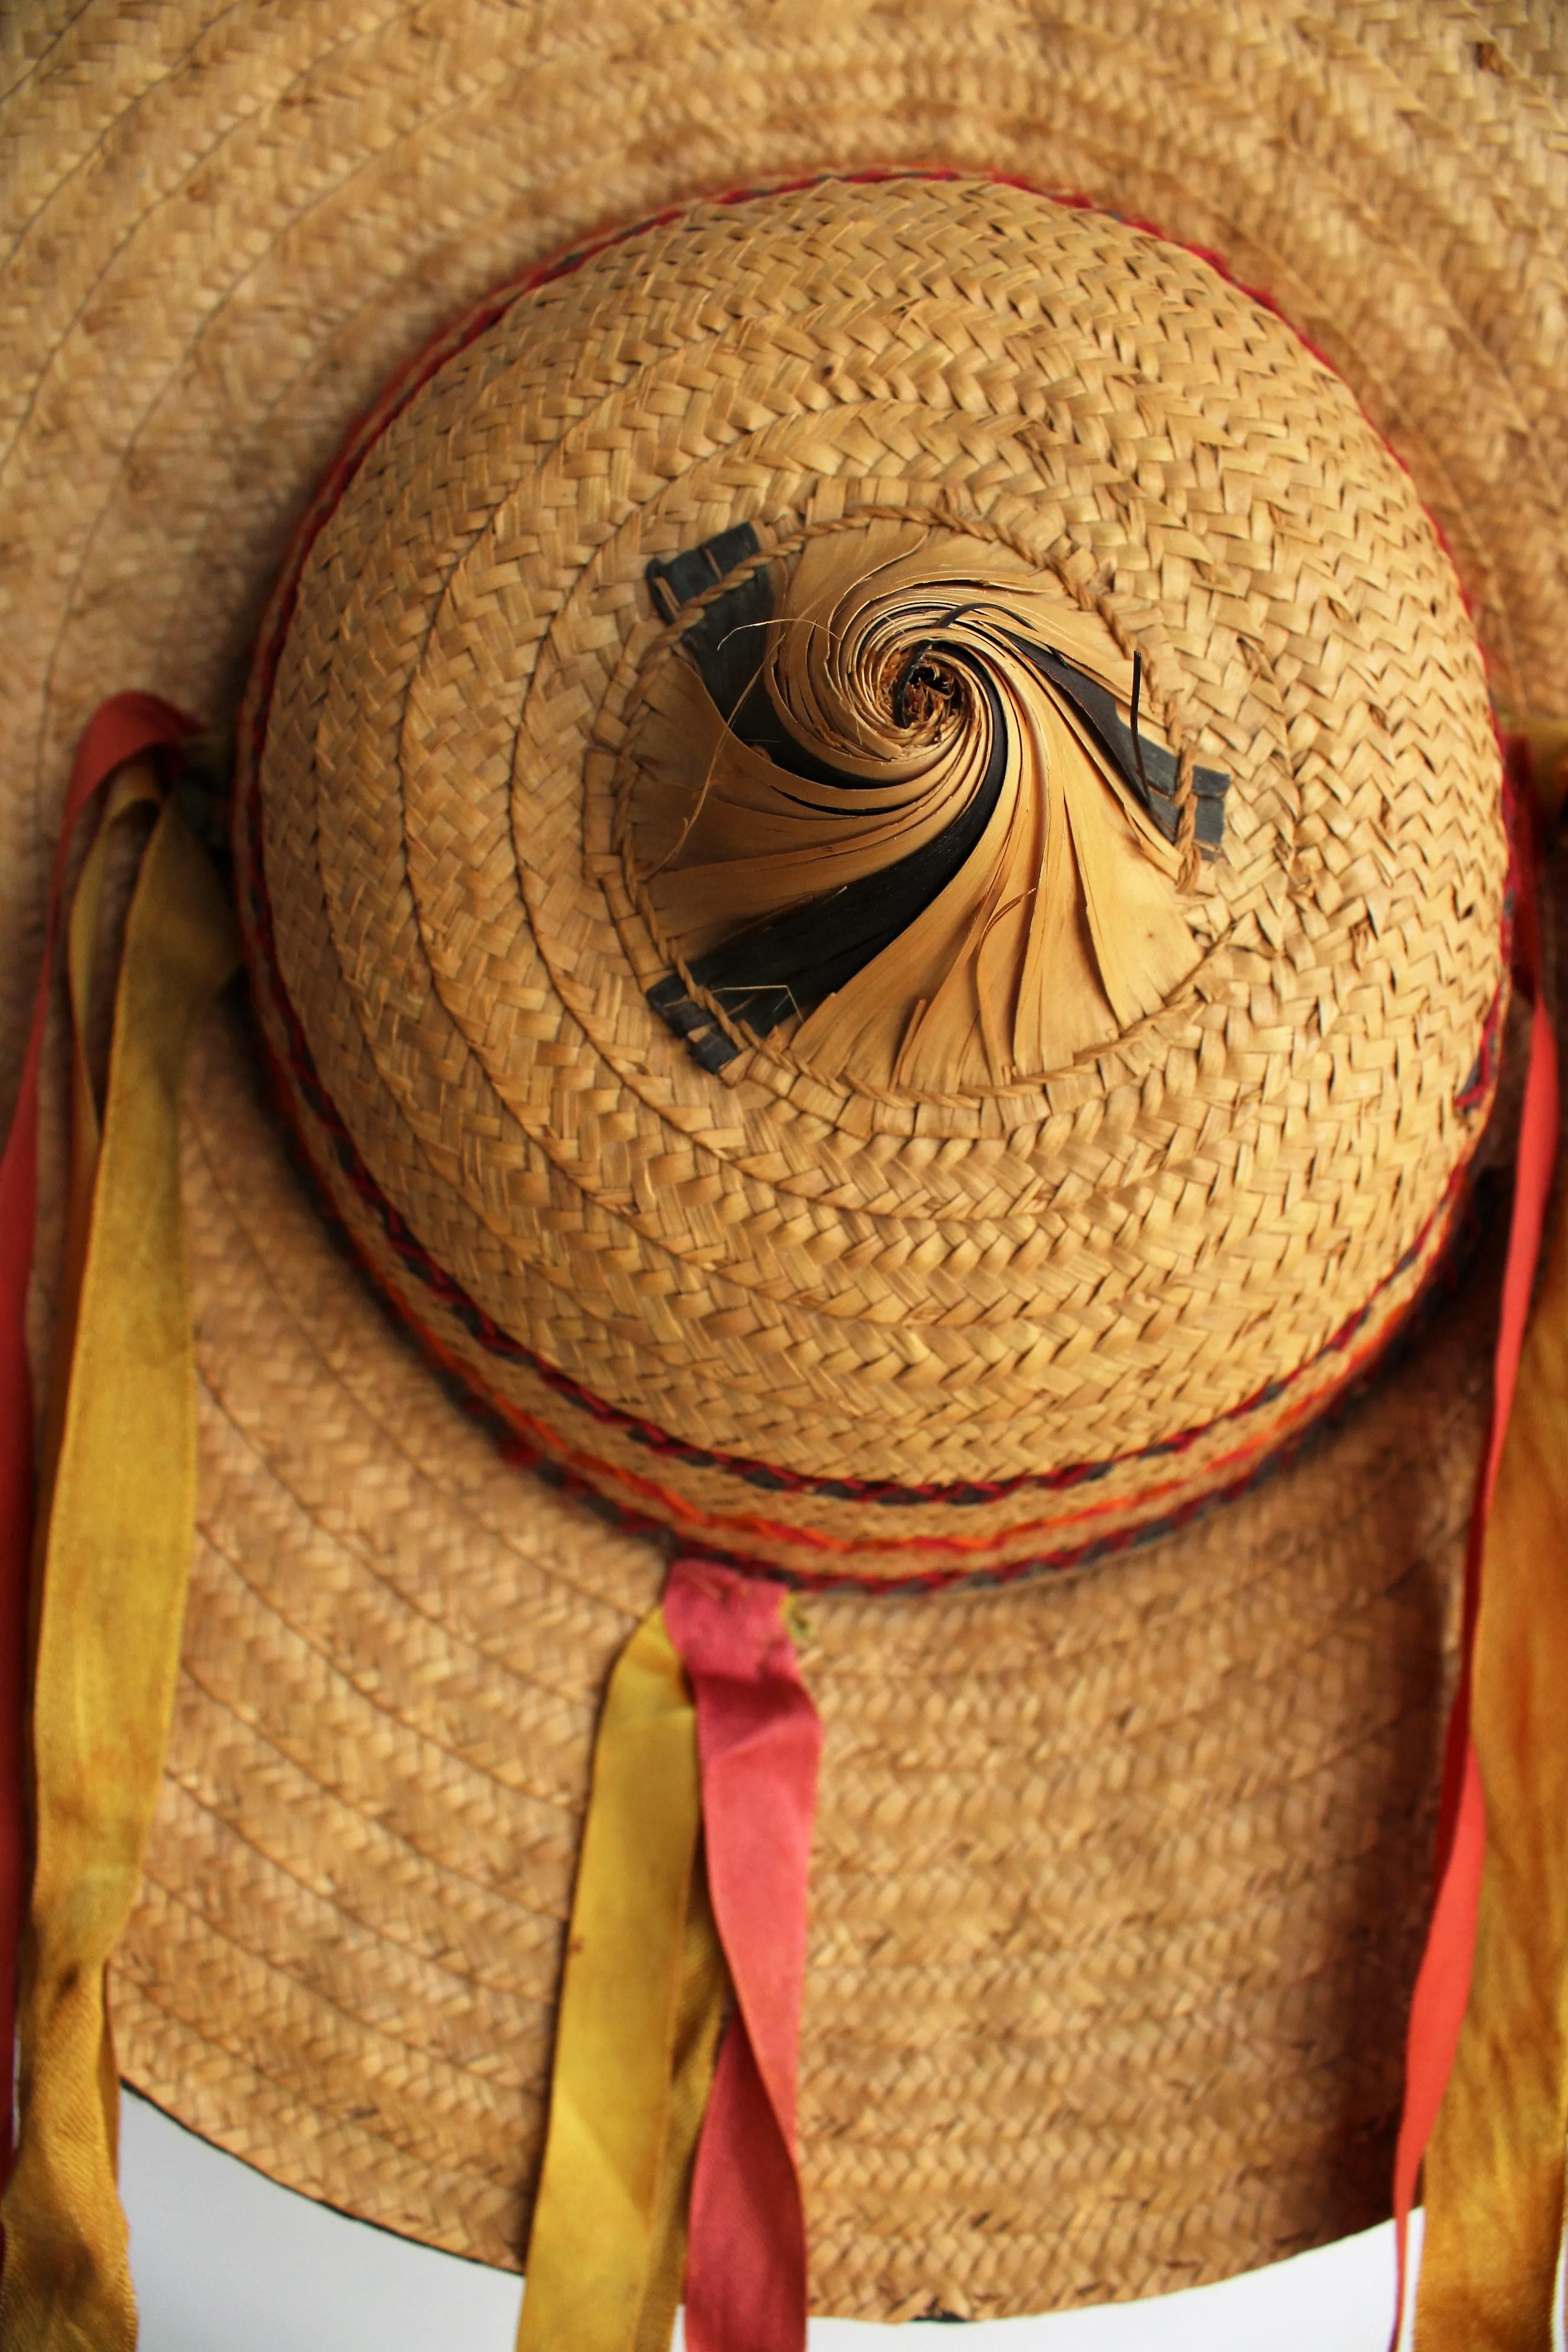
column 791, row 963
column 729, row 641
column 692, row 1023
column 715, row 1051
column 676, row 579
column 676, row 1009
column 794, row 960
column 1148, row 769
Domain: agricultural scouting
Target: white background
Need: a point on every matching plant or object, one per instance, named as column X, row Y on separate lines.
column 224, row 2261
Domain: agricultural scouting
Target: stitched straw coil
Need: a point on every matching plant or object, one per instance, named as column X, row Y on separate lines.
column 1119, row 1875
column 820, row 1312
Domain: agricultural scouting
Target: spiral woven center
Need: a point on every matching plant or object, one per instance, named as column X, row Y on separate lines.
column 898, row 798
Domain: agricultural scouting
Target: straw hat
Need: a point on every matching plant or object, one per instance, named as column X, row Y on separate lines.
column 1119, row 1875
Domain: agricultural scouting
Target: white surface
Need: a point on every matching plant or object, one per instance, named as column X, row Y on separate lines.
column 224, row 2261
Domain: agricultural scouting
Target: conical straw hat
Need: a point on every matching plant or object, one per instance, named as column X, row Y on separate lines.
column 1119, row 1875
column 870, row 1243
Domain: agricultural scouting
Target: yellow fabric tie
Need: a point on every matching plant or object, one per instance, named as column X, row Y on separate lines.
column 1494, row 2168
column 641, row 2005
column 134, row 790
column 1494, row 2172
column 116, row 1559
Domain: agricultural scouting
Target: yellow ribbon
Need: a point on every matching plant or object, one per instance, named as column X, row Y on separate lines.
column 115, row 1564
column 1494, row 2175
column 641, row 2006
column 134, row 790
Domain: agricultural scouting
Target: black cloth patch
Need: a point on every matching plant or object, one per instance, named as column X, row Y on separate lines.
column 790, row 964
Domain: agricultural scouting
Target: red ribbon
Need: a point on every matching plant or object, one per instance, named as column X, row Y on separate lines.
column 1443, row 1981
column 123, row 728
column 759, row 1740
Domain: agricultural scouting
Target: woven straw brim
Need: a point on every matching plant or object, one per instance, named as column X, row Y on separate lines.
column 1117, row 1883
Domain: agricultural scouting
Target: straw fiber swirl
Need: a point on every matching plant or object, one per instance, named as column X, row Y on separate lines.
column 1191, row 1232
column 1119, row 1877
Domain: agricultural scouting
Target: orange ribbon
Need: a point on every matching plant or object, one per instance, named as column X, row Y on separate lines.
column 1443, row 1983
column 1494, row 2171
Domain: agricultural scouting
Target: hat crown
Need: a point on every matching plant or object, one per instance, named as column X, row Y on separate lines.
column 1139, row 1129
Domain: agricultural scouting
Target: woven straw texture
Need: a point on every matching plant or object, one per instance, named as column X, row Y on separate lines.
column 835, row 1281
column 1118, row 1882
column 1119, row 1878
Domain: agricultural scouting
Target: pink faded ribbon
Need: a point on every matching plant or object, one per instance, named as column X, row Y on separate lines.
column 759, row 1743
column 1443, row 1981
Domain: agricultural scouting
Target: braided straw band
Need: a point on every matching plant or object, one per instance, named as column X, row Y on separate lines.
column 1027, row 1319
